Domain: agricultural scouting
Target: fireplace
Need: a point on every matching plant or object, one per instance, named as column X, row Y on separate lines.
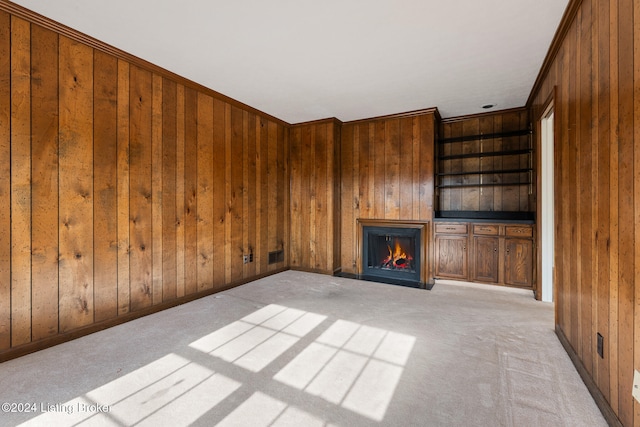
column 393, row 252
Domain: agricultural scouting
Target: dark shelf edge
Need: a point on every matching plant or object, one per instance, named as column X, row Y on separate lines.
column 491, row 184
column 487, row 154
column 521, row 132
column 485, row 215
column 490, row 172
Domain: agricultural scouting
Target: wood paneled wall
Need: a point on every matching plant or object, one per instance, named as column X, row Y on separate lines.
column 315, row 196
column 123, row 188
column 387, row 173
column 595, row 75
column 497, row 198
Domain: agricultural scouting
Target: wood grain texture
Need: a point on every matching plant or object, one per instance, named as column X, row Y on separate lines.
column 474, row 196
column 140, row 189
column 20, row 182
column 105, row 229
column 596, row 75
column 314, row 190
column 219, row 191
column 190, row 191
column 263, row 185
column 205, row 192
column 180, row 191
column 157, row 179
column 44, row 172
column 5, row 184
column 377, row 175
column 169, row 187
column 236, row 194
column 76, row 185
column 115, row 179
column 123, row 189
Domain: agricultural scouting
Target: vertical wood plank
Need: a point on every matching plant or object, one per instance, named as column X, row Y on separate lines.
column 105, row 227
column 227, row 193
column 405, row 168
column 76, row 185
column 285, row 193
column 249, row 184
column 379, row 183
column 180, row 191
column 427, row 167
column 5, row 184
column 190, row 191
column 205, row 192
column 333, row 212
column 636, row 197
column 392, row 169
column 44, row 188
column 264, row 195
column 305, row 197
column 310, row 212
column 365, row 189
column 603, row 182
column 140, row 261
column 156, row 188
column 348, row 248
column 626, row 215
column 416, row 182
column 280, row 186
column 296, row 195
column 124, row 246
column 169, row 180
column 585, row 256
column 321, row 224
column 272, row 176
column 219, row 191
column 613, row 192
column 20, row 182
column 237, row 194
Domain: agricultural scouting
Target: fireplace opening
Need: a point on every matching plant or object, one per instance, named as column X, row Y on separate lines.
column 391, row 255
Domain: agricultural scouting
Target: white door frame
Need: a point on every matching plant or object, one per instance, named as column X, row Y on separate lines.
column 547, row 203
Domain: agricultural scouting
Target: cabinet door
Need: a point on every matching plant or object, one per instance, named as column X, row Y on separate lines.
column 451, row 256
column 485, row 259
column 518, row 262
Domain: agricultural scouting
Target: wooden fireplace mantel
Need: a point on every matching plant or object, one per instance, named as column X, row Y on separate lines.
column 423, row 226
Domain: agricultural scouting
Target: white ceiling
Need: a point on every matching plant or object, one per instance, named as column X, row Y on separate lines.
column 302, row 60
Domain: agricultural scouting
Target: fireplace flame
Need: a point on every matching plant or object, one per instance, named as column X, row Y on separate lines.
column 397, row 258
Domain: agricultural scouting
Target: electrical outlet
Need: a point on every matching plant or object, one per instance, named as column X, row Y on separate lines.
column 245, row 259
column 635, row 390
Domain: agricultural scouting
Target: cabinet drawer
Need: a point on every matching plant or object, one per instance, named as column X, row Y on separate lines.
column 486, row 229
column 518, row 231
column 451, row 228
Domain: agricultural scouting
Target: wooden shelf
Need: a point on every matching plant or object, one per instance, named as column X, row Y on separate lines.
column 490, row 184
column 486, row 154
column 487, row 172
column 484, row 136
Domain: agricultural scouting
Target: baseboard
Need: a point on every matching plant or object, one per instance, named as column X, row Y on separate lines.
column 97, row 327
column 598, row 397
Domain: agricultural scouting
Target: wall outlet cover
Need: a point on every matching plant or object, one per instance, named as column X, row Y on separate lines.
column 635, row 390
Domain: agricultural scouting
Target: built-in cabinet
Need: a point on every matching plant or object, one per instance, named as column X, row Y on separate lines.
column 496, row 253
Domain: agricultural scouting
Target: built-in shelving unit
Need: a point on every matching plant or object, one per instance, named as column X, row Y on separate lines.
column 468, row 166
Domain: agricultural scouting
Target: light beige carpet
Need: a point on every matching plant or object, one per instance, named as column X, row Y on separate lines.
column 301, row 349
